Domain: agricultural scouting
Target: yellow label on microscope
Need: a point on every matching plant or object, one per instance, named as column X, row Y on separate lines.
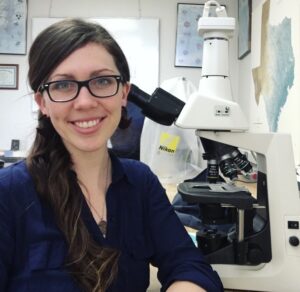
column 168, row 142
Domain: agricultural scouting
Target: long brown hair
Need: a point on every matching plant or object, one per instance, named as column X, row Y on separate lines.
column 49, row 162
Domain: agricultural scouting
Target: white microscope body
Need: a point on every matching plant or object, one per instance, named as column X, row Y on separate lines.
column 217, row 117
column 213, row 101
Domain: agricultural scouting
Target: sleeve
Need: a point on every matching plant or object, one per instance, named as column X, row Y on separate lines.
column 6, row 233
column 176, row 256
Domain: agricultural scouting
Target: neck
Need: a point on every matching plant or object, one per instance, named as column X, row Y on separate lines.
column 94, row 178
column 92, row 170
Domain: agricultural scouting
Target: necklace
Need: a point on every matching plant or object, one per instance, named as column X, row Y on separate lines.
column 102, row 223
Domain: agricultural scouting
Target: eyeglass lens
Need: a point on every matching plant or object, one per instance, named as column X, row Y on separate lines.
column 64, row 90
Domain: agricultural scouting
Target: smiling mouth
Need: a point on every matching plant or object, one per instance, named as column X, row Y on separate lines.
column 87, row 124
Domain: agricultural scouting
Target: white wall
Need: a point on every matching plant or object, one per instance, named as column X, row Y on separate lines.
column 16, row 117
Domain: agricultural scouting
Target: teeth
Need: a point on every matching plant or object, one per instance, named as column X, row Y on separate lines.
column 87, row 124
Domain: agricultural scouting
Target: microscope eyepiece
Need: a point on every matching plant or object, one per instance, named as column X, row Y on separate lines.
column 162, row 107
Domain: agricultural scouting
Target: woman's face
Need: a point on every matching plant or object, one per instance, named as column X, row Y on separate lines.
column 87, row 122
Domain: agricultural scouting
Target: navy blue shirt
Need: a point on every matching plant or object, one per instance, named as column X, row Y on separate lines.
column 141, row 224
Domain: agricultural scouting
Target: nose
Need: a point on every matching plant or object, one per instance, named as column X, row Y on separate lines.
column 85, row 99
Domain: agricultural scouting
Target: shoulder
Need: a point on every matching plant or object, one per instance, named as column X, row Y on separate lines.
column 128, row 167
column 16, row 173
column 135, row 165
column 136, row 175
column 137, row 171
column 16, row 185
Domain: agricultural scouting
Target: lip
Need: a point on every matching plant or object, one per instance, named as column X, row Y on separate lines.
column 87, row 125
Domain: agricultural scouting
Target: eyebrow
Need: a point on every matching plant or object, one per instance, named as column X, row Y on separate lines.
column 92, row 74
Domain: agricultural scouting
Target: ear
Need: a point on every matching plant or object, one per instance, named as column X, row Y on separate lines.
column 125, row 91
column 39, row 99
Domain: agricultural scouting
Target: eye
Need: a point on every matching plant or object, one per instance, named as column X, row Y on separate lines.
column 103, row 81
column 63, row 85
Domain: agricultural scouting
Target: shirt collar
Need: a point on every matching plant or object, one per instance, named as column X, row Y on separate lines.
column 118, row 169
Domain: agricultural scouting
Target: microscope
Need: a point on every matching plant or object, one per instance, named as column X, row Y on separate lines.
column 261, row 250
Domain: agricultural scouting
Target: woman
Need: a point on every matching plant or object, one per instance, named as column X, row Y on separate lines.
column 73, row 217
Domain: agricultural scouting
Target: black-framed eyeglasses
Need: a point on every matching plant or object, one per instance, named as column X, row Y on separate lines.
column 67, row 90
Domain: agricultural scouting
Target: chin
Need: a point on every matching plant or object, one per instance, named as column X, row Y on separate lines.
column 90, row 148
column 87, row 147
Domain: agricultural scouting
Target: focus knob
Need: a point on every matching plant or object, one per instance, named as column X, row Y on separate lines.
column 294, row 241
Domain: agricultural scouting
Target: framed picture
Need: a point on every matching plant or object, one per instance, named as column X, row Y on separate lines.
column 244, row 20
column 13, row 27
column 9, row 76
column 189, row 44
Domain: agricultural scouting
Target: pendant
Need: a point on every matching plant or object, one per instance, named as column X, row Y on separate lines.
column 102, row 226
